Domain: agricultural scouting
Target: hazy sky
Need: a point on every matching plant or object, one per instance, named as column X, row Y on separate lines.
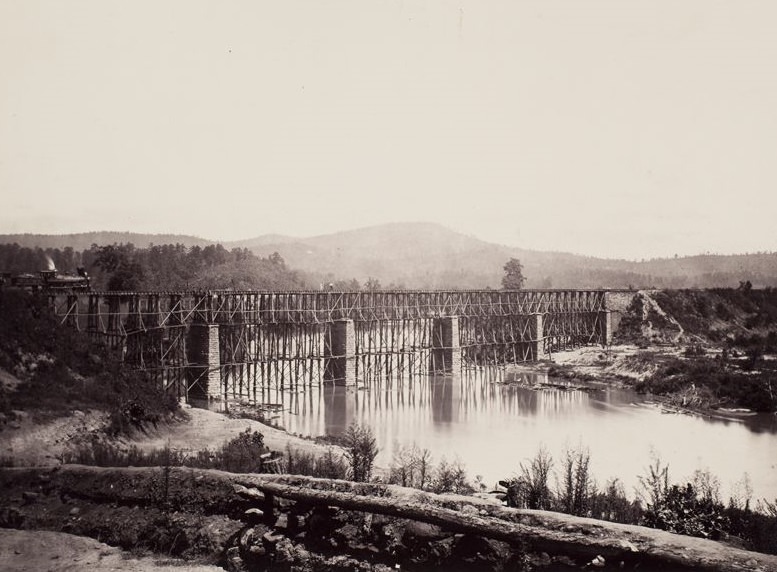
column 618, row 128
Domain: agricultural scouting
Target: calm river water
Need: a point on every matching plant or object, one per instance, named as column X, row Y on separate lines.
column 492, row 427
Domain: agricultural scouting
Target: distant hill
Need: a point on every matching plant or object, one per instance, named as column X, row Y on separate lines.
column 426, row 255
column 84, row 240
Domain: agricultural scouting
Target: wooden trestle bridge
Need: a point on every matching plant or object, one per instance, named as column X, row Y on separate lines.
column 216, row 344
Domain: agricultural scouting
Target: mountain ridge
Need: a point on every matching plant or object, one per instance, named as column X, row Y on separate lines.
column 429, row 255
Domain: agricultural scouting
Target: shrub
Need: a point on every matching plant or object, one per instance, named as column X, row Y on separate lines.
column 360, row 449
column 451, row 478
column 327, row 466
column 682, row 510
column 576, row 486
column 613, row 505
column 655, row 484
column 530, row 488
column 330, row 466
column 411, row 467
column 713, row 381
column 694, row 350
column 245, row 453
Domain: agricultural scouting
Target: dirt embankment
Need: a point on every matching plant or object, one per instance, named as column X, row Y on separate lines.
column 278, row 522
column 28, row 441
column 733, row 317
column 202, row 429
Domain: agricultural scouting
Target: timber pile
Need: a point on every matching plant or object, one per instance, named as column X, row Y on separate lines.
column 274, row 522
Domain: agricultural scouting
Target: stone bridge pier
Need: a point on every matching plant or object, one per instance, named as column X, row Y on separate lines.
column 203, row 374
column 446, row 349
column 340, row 353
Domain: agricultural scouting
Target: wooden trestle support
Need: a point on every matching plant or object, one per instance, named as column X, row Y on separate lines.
column 219, row 344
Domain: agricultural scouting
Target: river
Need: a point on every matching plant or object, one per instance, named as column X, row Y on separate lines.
column 493, row 427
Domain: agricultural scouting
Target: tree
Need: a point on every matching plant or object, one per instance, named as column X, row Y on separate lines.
column 119, row 263
column 361, row 448
column 513, row 278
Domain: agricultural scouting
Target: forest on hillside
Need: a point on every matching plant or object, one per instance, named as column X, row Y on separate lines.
column 409, row 258
column 158, row 267
column 431, row 256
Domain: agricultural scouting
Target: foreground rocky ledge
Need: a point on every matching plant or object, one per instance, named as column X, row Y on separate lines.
column 282, row 521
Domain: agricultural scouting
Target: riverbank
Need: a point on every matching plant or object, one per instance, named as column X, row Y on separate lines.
column 706, row 379
column 28, row 441
column 712, row 382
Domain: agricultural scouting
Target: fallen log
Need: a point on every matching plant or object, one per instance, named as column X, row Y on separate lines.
column 554, row 533
column 540, row 531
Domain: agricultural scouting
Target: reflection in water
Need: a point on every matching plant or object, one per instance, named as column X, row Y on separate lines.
column 492, row 427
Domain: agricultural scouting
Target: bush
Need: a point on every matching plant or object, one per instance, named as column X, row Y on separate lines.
column 576, row 486
column 102, row 454
column 714, row 382
column 682, row 510
column 245, row 453
column 612, row 504
column 694, row 350
column 327, row 466
column 530, row 488
column 451, row 478
column 693, row 508
column 360, row 449
column 411, row 467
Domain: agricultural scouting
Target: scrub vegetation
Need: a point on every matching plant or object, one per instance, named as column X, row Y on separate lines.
column 725, row 341
column 61, row 370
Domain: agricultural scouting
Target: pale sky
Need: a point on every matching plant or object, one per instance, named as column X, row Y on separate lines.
column 610, row 128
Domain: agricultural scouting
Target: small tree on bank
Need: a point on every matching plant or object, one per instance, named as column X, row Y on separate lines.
column 361, row 448
column 513, row 278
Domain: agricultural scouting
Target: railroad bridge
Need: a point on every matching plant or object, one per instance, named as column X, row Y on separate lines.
column 208, row 346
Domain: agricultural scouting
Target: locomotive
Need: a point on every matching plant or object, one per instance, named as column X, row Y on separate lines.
column 47, row 280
